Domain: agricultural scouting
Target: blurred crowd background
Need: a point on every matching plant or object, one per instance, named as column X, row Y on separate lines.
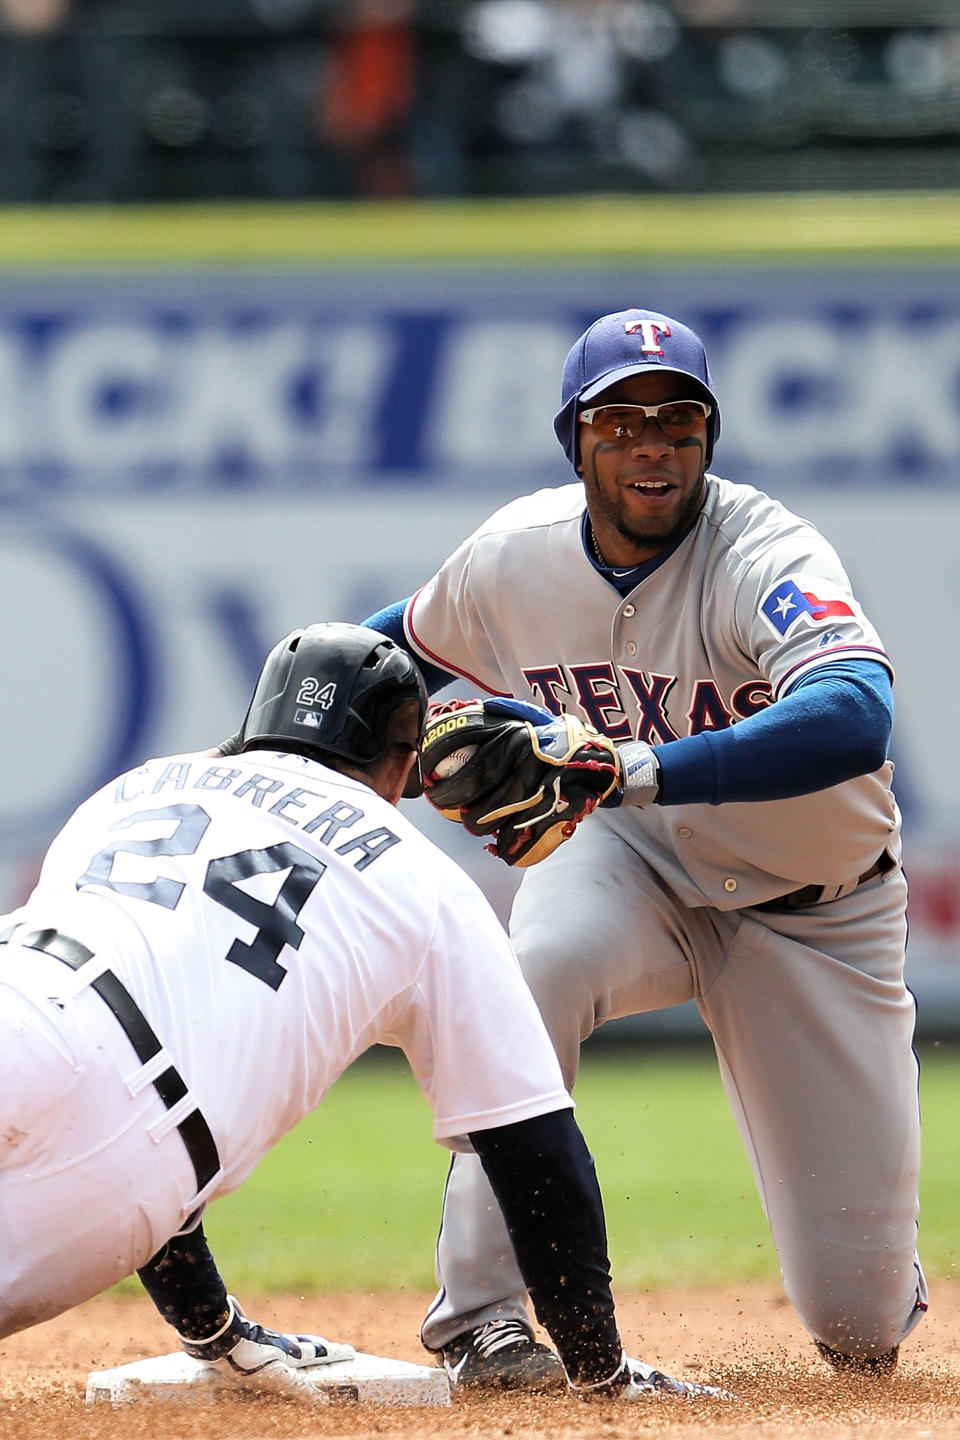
column 199, row 453
column 160, row 100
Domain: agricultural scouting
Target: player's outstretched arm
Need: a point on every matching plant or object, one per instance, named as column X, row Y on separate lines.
column 513, row 770
column 834, row 725
column 546, row 1186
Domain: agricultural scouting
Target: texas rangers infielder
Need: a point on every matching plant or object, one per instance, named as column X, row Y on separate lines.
column 754, row 860
column 209, row 946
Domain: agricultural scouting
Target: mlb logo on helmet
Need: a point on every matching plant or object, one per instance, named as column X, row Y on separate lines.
column 631, row 342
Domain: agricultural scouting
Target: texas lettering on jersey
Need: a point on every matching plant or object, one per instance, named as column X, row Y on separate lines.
column 597, row 689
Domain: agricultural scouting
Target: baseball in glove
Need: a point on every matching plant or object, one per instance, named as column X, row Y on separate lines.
column 527, row 784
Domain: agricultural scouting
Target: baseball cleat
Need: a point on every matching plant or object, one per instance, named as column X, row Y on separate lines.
column 501, row 1355
column 877, row 1366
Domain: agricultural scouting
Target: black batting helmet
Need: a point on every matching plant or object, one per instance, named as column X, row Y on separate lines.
column 331, row 689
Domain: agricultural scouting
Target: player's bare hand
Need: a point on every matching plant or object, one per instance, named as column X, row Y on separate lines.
column 265, row 1359
column 231, row 746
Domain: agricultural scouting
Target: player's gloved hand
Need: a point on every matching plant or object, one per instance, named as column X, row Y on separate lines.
column 265, row 1359
column 510, row 709
column 527, row 782
column 639, row 765
column 634, row 1380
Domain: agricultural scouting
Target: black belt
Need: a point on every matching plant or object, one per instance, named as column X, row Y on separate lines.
column 818, row 894
column 194, row 1130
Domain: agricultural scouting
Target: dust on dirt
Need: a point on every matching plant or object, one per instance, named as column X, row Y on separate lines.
column 747, row 1339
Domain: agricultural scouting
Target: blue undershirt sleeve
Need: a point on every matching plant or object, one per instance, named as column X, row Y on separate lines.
column 389, row 621
column 833, row 725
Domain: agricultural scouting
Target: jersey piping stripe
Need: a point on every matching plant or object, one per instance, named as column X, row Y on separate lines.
column 440, row 660
column 852, row 652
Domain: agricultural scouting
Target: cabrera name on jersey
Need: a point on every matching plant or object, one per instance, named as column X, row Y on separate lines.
column 273, row 919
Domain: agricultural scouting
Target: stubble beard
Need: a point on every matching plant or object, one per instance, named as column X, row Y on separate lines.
column 657, row 537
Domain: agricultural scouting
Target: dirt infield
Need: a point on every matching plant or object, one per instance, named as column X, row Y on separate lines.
column 749, row 1340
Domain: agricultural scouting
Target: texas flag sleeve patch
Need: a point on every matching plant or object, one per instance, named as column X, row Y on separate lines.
column 783, row 605
column 786, row 603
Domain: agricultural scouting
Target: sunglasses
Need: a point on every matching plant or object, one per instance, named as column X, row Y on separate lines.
column 676, row 418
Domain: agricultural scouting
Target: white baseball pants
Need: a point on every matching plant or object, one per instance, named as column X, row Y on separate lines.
column 92, row 1179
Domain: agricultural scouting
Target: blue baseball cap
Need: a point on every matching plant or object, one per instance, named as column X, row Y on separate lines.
column 630, row 342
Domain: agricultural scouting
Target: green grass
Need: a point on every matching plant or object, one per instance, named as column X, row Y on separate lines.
column 940, row 1175
column 352, row 1197
column 584, row 229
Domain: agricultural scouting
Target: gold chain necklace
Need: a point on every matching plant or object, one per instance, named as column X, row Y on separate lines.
column 597, row 552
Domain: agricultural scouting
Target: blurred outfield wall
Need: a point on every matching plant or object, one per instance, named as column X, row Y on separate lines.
column 195, row 460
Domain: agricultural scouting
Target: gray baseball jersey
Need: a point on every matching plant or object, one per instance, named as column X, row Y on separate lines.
column 752, row 599
column 650, row 907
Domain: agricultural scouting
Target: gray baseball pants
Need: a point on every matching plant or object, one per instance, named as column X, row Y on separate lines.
column 813, row 1029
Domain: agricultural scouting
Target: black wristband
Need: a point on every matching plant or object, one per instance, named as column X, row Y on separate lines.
column 184, row 1283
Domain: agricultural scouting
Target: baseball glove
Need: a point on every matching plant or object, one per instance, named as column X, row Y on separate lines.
column 528, row 785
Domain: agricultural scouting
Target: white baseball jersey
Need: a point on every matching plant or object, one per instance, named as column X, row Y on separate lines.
column 753, row 599
column 273, row 919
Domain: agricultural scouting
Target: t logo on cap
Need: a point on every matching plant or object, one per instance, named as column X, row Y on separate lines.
column 650, row 330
